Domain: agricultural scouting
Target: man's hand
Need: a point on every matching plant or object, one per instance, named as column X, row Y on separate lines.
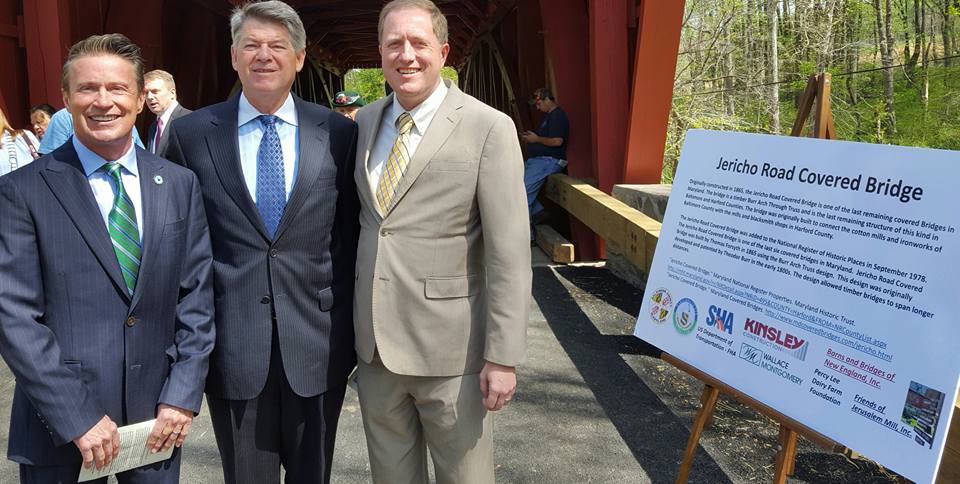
column 99, row 445
column 172, row 427
column 529, row 136
column 497, row 383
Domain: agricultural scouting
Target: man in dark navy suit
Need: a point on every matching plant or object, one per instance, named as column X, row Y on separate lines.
column 106, row 299
column 277, row 179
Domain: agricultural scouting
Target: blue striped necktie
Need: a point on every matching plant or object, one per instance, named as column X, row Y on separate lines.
column 271, row 185
column 122, row 225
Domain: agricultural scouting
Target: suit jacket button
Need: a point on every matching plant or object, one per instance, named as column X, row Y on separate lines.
column 384, row 232
column 265, row 300
column 131, row 321
column 274, row 253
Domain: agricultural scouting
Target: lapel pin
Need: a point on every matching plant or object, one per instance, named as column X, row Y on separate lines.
column 158, row 180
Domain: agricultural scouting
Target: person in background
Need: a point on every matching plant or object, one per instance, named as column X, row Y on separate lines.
column 40, row 117
column 17, row 146
column 546, row 150
column 348, row 103
column 162, row 101
column 60, row 129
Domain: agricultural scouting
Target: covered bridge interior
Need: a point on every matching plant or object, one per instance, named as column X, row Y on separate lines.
column 611, row 63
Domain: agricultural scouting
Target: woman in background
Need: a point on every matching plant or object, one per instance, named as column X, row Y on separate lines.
column 40, row 118
column 17, row 146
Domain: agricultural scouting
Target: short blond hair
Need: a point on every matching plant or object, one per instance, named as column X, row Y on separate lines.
column 437, row 18
column 163, row 75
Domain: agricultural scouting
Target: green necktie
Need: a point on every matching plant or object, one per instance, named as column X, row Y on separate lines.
column 396, row 164
column 122, row 224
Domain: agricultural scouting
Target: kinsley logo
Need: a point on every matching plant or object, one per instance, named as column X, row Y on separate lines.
column 721, row 319
column 776, row 338
column 685, row 316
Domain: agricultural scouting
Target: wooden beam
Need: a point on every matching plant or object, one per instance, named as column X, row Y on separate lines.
column 609, row 87
column 635, row 233
column 559, row 249
column 658, row 41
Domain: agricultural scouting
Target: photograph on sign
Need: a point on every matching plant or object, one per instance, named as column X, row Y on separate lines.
column 817, row 277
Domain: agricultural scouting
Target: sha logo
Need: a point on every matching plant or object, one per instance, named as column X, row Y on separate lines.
column 720, row 319
column 685, row 316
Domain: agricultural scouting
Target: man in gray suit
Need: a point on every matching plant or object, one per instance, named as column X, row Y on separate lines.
column 276, row 173
column 161, row 94
column 443, row 287
column 106, row 298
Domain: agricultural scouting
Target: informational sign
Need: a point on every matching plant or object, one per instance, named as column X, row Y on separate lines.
column 821, row 278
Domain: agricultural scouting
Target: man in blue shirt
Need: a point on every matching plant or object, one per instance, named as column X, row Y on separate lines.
column 60, row 130
column 546, row 150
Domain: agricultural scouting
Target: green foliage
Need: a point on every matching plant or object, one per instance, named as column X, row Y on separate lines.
column 367, row 82
column 370, row 83
column 723, row 79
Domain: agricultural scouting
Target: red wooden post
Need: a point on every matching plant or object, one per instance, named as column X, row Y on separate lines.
column 565, row 30
column 47, row 35
column 658, row 42
column 609, row 87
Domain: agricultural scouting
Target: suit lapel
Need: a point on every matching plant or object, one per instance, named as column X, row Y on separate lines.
column 153, row 199
column 367, row 137
column 442, row 126
column 165, row 135
column 314, row 139
column 225, row 153
column 152, row 136
column 68, row 182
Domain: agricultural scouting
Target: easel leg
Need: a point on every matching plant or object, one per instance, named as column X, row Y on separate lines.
column 786, row 455
column 708, row 402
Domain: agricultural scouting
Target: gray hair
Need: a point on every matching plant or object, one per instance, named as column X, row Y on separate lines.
column 273, row 11
column 437, row 18
column 108, row 44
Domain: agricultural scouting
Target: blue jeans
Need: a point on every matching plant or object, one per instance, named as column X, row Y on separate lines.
column 535, row 173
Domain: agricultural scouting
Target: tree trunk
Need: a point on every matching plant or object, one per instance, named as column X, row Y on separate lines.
column 851, row 48
column 886, row 41
column 825, row 55
column 946, row 30
column 774, row 66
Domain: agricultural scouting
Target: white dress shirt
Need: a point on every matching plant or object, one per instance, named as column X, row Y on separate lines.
column 422, row 117
column 163, row 124
column 102, row 183
column 250, row 132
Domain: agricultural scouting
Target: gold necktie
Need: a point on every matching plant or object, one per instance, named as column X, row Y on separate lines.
column 396, row 164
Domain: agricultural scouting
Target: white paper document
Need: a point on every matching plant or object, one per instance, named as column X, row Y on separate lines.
column 133, row 453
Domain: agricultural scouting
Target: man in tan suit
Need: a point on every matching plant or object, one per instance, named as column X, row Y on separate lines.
column 443, row 285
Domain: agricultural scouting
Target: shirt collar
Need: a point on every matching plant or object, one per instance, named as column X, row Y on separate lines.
column 165, row 115
column 92, row 162
column 246, row 112
column 424, row 112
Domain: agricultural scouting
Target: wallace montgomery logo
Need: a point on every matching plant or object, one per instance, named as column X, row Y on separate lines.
column 776, row 338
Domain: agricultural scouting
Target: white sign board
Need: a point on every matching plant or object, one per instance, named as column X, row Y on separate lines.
column 821, row 278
